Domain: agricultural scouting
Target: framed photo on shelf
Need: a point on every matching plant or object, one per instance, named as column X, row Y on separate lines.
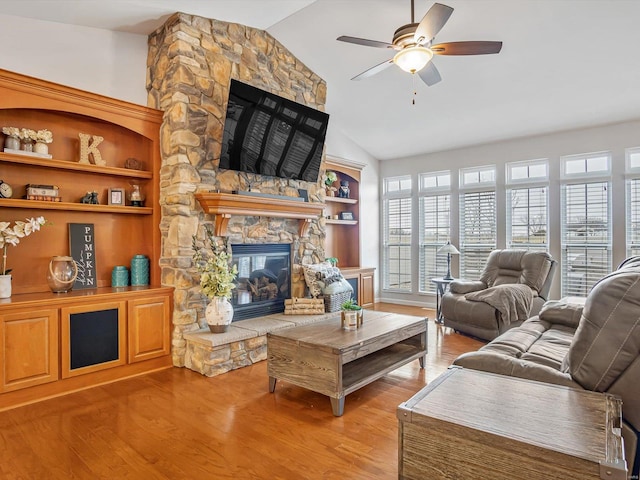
column 346, row 216
column 116, row 196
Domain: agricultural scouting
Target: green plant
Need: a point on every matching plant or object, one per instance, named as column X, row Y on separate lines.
column 12, row 235
column 351, row 304
column 329, row 178
column 332, row 260
column 216, row 275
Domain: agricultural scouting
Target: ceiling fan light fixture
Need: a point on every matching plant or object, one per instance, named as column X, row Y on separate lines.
column 413, row 59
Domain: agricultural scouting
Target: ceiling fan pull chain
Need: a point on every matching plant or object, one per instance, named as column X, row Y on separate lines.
column 415, row 92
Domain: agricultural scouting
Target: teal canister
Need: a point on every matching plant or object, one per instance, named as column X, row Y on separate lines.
column 120, row 276
column 139, row 270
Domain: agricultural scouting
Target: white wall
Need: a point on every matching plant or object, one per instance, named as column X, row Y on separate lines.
column 99, row 61
column 614, row 138
column 340, row 146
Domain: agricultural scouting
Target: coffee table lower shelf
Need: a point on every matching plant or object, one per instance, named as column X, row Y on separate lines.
column 343, row 361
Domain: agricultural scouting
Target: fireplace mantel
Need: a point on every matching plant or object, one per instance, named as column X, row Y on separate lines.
column 223, row 205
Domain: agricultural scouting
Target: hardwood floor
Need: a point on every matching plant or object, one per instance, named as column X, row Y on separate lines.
column 177, row 424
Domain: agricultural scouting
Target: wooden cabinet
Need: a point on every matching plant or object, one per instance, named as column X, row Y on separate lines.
column 51, row 343
column 28, row 348
column 361, row 279
column 148, row 328
column 127, row 329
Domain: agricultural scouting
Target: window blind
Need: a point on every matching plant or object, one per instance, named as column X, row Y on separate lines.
column 477, row 231
column 527, row 225
column 397, row 244
column 633, row 217
column 434, row 233
column 586, row 236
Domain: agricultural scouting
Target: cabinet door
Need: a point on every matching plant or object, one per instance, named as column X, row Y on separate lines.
column 93, row 337
column 28, row 348
column 148, row 328
column 366, row 289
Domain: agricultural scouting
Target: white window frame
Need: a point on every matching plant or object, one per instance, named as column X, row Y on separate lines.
column 432, row 265
column 532, row 182
column 585, row 157
column 473, row 255
column 632, row 201
column 485, row 170
column 592, row 258
column 401, row 194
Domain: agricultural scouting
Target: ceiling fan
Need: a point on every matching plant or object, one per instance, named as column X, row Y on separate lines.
column 415, row 49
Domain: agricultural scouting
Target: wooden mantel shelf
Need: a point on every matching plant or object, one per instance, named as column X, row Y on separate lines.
column 223, row 205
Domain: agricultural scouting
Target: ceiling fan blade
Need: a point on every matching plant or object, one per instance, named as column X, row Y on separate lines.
column 430, row 74
column 365, row 42
column 432, row 23
column 373, row 70
column 466, row 48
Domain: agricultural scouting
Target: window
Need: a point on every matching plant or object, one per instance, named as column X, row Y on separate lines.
column 584, row 165
column 527, row 212
column 633, row 202
column 477, row 219
column 633, row 216
column 397, row 213
column 586, row 237
column 478, row 176
column 435, row 227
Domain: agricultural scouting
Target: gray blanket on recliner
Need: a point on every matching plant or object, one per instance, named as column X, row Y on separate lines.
column 512, row 301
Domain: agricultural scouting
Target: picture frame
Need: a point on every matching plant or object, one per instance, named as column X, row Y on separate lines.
column 116, row 196
column 346, row 216
column 304, row 194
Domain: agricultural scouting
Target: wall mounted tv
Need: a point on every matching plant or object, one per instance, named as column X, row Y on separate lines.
column 271, row 135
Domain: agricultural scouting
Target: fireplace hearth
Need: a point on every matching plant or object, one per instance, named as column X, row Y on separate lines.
column 263, row 281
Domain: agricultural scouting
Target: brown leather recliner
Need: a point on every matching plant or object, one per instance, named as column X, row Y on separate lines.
column 504, row 267
column 591, row 343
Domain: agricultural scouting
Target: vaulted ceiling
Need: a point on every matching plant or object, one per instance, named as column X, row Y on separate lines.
column 565, row 64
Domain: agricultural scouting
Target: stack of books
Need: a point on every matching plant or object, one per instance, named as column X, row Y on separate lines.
column 44, row 193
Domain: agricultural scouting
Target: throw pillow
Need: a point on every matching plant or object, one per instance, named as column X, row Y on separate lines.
column 313, row 280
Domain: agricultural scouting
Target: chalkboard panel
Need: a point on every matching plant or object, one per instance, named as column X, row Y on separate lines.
column 81, row 245
column 94, row 337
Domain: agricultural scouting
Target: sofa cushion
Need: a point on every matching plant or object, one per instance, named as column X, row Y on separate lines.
column 551, row 348
column 607, row 340
column 566, row 311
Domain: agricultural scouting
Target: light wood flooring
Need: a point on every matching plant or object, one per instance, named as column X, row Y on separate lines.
column 178, row 424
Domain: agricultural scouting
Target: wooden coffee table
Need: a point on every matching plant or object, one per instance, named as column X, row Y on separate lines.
column 335, row 362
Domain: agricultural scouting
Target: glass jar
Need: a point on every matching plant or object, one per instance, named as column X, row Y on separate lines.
column 27, row 145
column 62, row 274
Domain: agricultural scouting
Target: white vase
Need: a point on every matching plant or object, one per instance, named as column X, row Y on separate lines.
column 40, row 147
column 219, row 314
column 5, row 286
column 12, row 143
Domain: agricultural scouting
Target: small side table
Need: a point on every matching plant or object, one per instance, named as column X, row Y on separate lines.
column 441, row 288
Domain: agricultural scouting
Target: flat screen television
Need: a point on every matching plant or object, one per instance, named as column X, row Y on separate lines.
column 270, row 135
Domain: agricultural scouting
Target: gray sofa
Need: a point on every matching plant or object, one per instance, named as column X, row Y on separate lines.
column 504, row 269
column 591, row 343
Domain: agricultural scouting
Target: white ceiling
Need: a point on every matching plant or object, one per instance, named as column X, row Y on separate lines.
column 564, row 64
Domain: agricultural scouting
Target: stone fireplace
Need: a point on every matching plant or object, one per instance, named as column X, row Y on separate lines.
column 190, row 65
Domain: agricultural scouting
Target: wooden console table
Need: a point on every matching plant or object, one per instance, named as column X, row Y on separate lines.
column 469, row 424
column 335, row 362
